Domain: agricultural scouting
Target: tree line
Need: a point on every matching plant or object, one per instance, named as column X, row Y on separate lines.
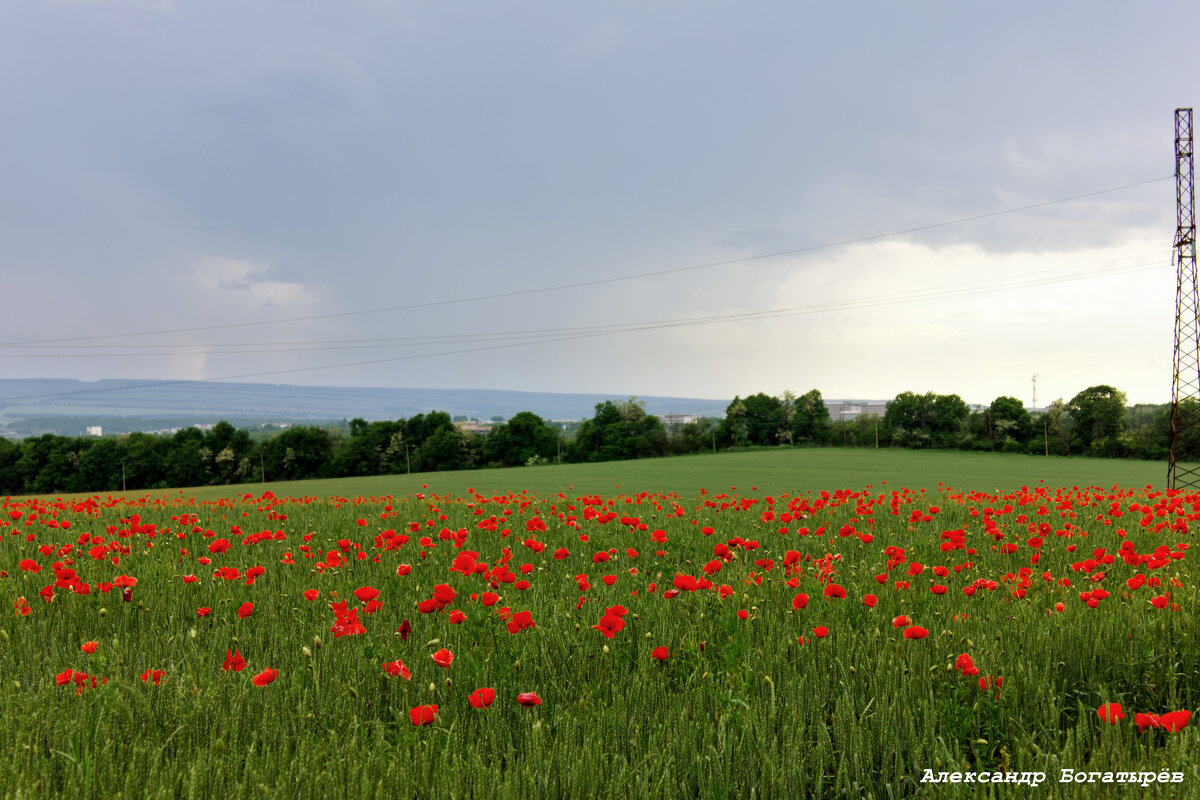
column 1096, row 422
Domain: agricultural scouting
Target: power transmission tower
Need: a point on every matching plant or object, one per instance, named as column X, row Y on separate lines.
column 1183, row 468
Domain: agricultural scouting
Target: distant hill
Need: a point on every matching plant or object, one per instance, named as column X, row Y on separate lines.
column 67, row 406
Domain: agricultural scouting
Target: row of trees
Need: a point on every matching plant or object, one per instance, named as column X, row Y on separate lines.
column 1095, row 422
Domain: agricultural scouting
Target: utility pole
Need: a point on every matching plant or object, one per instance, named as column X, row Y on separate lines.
column 407, row 460
column 262, row 463
column 1034, row 391
column 122, row 476
column 1183, row 467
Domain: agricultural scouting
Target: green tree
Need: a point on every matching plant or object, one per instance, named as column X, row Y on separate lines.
column 524, row 437
column 810, row 419
column 297, row 453
column 735, row 427
column 183, row 463
column 1099, row 415
column 764, row 418
column 619, row 431
column 1009, row 420
column 10, row 481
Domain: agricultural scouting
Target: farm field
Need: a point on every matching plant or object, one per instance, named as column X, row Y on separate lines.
column 773, row 470
column 640, row 629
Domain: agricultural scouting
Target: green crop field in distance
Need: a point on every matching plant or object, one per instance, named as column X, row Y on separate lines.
column 778, row 470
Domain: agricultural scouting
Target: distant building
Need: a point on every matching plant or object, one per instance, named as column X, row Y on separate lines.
column 677, row 419
column 474, row 426
column 277, row 425
column 845, row 410
column 94, row 430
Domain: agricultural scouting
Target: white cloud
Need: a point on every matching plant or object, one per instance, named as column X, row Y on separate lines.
column 241, row 283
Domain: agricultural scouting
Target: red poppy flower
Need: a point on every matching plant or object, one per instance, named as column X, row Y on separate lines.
column 312, row 594
column 245, row 610
column 1111, row 713
column 29, row 565
column 901, row 621
column 265, row 677
column 520, row 621
column 529, row 699
column 820, row 631
column 1146, row 721
column 835, row 591
column 397, row 669
column 404, row 630
column 870, row 600
column 154, row 676
column 203, row 611
column 88, row 647
column 610, row 625
column 799, row 601
column 457, row 617
column 481, row 698
column 442, row 657
column 366, row 593
column 915, row 632
column 234, row 661
column 660, row 654
column 1174, row 720
column 422, row 715
column 743, row 614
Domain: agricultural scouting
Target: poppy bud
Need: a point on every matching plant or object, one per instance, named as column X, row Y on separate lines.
column 103, row 612
column 317, row 642
column 127, row 594
column 307, row 653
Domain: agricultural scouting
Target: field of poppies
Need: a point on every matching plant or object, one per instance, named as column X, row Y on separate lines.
column 871, row 641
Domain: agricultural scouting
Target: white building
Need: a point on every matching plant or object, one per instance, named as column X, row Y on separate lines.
column 853, row 409
column 94, row 430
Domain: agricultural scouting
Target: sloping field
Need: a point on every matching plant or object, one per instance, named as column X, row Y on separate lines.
column 778, row 470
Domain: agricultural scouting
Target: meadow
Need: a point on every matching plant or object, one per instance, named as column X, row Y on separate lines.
column 776, row 624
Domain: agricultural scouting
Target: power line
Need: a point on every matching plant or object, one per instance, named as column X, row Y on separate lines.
column 1019, row 280
column 851, row 304
column 603, row 281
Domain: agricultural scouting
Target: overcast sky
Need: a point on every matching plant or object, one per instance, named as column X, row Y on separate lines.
column 183, row 166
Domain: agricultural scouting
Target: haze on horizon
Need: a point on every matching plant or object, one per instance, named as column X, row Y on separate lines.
column 675, row 200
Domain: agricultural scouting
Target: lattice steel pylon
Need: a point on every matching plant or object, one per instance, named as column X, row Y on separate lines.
column 1183, row 469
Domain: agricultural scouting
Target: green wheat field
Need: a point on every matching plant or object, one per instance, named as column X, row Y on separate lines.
column 787, row 623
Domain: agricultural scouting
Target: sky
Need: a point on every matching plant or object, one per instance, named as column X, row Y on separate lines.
column 687, row 199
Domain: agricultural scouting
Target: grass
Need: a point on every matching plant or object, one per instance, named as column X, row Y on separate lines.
column 777, row 470
column 741, row 707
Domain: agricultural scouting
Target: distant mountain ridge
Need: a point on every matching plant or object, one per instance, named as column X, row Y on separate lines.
column 187, row 402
